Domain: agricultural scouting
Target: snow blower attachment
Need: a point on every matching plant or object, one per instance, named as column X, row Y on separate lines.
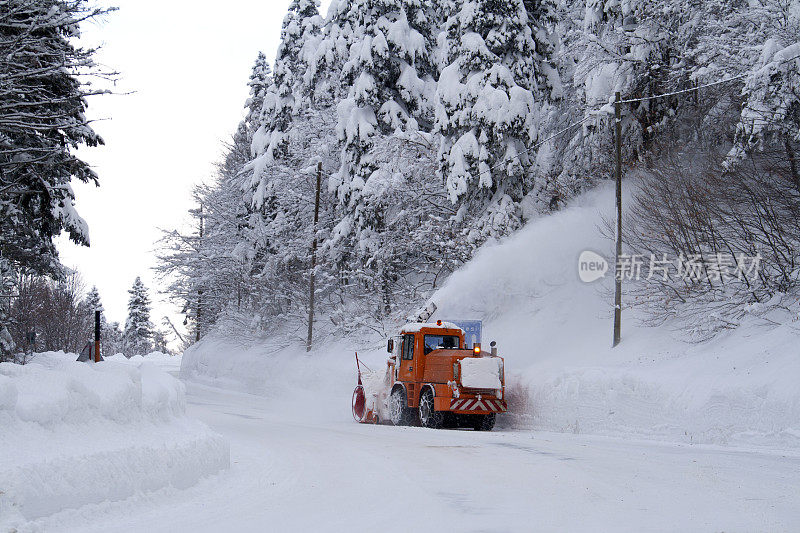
column 360, row 411
column 433, row 379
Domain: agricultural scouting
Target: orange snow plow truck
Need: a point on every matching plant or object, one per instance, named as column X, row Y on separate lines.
column 434, row 380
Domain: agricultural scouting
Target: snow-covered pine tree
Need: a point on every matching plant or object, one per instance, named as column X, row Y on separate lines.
column 488, row 105
column 325, row 55
column 771, row 112
column 271, row 140
column 43, row 93
column 639, row 48
column 243, row 177
column 138, row 332
column 256, row 124
column 385, row 89
column 301, row 24
column 259, row 83
column 90, row 304
column 93, row 303
column 161, row 342
column 390, row 75
column 112, row 337
column 543, row 21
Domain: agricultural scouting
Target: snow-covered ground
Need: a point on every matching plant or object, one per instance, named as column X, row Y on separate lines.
column 295, row 468
column 298, row 462
column 74, row 434
column 166, row 362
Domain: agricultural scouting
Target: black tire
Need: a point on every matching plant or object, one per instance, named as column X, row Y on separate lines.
column 399, row 412
column 429, row 417
column 484, row 422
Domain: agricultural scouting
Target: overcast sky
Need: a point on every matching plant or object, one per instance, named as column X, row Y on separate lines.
column 188, row 65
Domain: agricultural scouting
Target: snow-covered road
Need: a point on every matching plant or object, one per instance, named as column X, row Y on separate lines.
column 303, row 469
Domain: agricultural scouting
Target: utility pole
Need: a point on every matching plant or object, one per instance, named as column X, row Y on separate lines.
column 313, row 261
column 617, row 278
column 97, row 336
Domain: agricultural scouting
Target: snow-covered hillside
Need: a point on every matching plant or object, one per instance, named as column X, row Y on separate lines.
column 74, row 434
column 555, row 333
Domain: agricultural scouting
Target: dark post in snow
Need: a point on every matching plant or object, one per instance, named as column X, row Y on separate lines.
column 313, row 261
column 618, row 176
column 96, row 336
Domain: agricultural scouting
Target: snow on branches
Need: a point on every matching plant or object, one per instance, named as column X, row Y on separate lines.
column 487, row 111
column 442, row 124
column 43, row 91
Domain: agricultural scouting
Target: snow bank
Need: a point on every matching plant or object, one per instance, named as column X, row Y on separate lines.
column 555, row 334
column 76, row 433
column 168, row 363
column 316, row 384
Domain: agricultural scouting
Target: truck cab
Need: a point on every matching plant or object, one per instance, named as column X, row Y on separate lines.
column 436, row 380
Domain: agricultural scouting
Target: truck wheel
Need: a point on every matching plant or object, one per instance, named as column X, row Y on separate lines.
column 484, row 422
column 428, row 416
column 399, row 413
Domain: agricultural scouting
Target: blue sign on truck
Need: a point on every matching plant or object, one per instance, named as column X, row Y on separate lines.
column 472, row 330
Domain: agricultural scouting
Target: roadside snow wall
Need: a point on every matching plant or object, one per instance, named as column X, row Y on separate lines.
column 79, row 433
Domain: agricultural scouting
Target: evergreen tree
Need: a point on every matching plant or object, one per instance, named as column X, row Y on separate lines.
column 93, row 303
column 138, row 332
column 90, row 304
column 386, row 90
column 260, row 84
column 301, row 24
column 43, row 92
column 113, row 339
column 771, row 114
column 543, row 20
column 487, row 114
column 160, row 342
column 324, row 56
column 389, row 72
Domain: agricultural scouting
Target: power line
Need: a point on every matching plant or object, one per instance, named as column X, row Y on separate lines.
column 712, row 84
column 589, row 112
column 675, row 93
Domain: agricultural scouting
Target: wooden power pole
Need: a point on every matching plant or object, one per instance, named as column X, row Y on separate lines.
column 97, row 336
column 313, row 261
column 618, row 176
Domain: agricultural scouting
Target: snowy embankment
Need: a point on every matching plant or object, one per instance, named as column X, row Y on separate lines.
column 167, row 363
column 555, row 333
column 75, row 433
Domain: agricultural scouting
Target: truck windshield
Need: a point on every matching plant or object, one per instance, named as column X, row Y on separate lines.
column 434, row 342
